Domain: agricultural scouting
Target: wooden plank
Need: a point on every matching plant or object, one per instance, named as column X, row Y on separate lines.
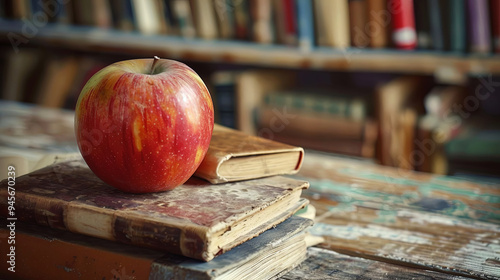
column 366, row 183
column 434, row 222
column 324, row 264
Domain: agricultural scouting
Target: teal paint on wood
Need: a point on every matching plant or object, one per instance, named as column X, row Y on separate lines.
column 349, row 197
column 427, row 188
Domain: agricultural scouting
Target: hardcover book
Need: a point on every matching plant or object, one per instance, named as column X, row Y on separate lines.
column 197, row 220
column 236, row 156
column 379, row 20
column 332, row 23
column 61, row 254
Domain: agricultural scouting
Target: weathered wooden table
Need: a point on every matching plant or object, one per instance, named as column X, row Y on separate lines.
column 385, row 223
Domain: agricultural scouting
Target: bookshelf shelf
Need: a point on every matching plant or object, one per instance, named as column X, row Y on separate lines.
column 249, row 53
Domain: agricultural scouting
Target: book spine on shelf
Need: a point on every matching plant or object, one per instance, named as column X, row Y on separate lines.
column 479, row 26
column 458, row 33
column 184, row 17
column 242, row 19
column 204, row 14
column 437, row 34
column 305, row 24
column 224, row 12
column 336, row 106
column 422, row 24
column 261, row 11
column 404, row 34
column 145, row 12
column 122, row 15
column 290, row 18
column 332, row 23
column 357, row 23
column 495, row 24
column 379, row 21
column 224, row 98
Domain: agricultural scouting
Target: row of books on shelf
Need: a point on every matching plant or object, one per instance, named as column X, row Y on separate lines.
column 408, row 122
column 441, row 25
column 244, row 221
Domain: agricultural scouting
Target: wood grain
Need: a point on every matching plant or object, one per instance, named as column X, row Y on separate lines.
column 433, row 222
column 324, row 264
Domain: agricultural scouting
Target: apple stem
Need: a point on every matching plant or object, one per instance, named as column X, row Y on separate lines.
column 155, row 59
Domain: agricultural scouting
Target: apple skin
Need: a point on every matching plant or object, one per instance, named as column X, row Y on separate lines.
column 141, row 132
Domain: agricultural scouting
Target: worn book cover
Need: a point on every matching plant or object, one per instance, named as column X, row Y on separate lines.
column 236, row 156
column 65, row 255
column 197, row 219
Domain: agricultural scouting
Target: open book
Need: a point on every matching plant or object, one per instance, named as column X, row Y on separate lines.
column 235, row 156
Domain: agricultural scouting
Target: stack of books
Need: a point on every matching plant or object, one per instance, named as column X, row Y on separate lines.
column 233, row 220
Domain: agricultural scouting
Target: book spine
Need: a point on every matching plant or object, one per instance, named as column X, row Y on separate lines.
column 422, row 24
column 129, row 19
column 183, row 14
column 145, row 12
column 349, row 108
column 206, row 25
column 305, row 24
column 358, row 20
column 241, row 19
column 224, row 98
column 33, row 210
column 458, row 34
column 378, row 24
column 479, row 26
column 495, row 24
column 290, row 22
column 436, row 26
column 162, row 19
column 225, row 18
column 332, row 18
column 261, row 11
column 122, row 15
column 404, row 34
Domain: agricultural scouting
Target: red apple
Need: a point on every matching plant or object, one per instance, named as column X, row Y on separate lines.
column 144, row 125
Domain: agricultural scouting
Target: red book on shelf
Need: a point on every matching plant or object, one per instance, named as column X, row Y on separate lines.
column 495, row 24
column 290, row 21
column 404, row 34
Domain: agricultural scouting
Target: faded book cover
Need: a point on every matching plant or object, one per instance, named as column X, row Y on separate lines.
column 197, row 219
column 235, row 156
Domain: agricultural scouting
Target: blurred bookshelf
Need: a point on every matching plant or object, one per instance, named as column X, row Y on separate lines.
column 290, row 70
column 81, row 38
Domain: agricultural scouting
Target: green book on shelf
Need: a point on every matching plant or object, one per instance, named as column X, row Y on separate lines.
column 475, row 144
column 458, row 33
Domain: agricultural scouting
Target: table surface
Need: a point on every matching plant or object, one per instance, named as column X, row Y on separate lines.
column 386, row 223
column 377, row 222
